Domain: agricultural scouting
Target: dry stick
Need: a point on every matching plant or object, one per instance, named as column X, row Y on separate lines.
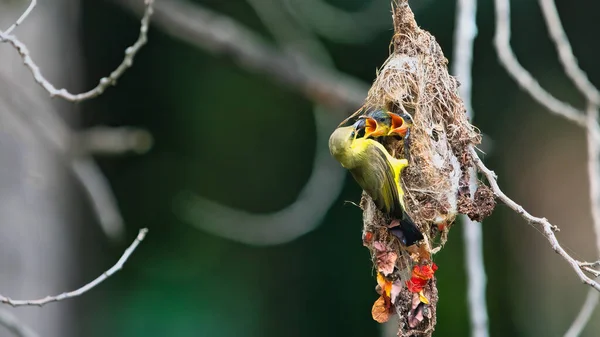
column 67, row 295
column 12, row 324
column 22, row 18
column 464, row 35
column 105, row 82
column 547, row 228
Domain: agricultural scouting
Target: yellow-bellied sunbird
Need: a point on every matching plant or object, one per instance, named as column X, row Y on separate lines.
column 377, row 172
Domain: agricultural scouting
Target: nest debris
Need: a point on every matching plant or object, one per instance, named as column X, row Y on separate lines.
column 415, row 80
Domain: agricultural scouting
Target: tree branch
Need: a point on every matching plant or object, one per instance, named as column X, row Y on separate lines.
column 22, row 18
column 547, row 228
column 78, row 292
column 105, row 82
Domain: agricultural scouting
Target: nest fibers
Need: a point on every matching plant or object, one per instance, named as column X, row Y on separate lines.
column 415, row 80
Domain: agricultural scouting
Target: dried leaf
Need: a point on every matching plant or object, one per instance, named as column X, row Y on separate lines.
column 379, row 246
column 386, row 262
column 380, row 312
column 385, row 284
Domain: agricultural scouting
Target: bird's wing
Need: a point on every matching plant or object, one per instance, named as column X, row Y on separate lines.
column 376, row 176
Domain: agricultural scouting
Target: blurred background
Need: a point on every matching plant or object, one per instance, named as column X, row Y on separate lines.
column 252, row 227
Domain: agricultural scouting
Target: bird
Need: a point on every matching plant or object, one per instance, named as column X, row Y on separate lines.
column 401, row 125
column 377, row 172
column 379, row 122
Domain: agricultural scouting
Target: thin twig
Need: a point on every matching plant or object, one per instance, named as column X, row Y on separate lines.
column 22, row 18
column 594, row 272
column 104, row 83
column 547, row 228
column 565, row 52
column 464, row 36
column 522, row 76
column 219, row 34
column 67, row 295
column 12, row 324
column 590, row 264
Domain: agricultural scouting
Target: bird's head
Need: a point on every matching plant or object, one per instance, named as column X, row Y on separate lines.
column 340, row 141
column 400, row 123
column 377, row 123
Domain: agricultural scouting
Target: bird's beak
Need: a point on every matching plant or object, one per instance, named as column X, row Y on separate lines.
column 373, row 129
column 370, row 126
column 399, row 126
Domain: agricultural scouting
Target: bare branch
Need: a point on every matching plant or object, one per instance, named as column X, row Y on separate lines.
column 105, row 82
column 590, row 264
column 522, row 76
column 12, row 324
column 547, row 228
column 594, row 272
column 22, row 18
column 565, row 52
column 219, row 34
column 464, row 35
column 67, row 295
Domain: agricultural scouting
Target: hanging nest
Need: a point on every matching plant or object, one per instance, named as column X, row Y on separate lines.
column 415, row 80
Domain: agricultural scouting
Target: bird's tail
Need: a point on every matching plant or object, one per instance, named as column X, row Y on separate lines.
column 410, row 231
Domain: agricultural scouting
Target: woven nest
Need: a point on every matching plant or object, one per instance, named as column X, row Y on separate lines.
column 415, row 80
